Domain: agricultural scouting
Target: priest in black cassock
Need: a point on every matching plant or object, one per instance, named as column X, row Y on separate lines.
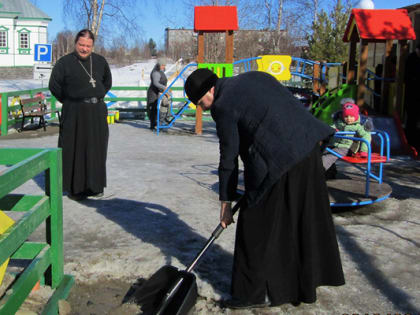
column 80, row 81
column 285, row 243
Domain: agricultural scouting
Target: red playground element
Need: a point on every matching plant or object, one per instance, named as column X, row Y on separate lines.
column 379, row 25
column 209, row 19
column 215, row 18
column 374, row 158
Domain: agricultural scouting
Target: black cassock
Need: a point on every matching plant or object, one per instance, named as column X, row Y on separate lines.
column 285, row 239
column 83, row 130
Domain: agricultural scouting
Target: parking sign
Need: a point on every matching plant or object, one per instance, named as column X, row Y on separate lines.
column 43, row 52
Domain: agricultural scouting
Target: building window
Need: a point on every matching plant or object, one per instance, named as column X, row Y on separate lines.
column 4, row 49
column 24, row 40
column 3, row 39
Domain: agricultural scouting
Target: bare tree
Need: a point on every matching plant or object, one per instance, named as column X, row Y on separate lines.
column 287, row 25
column 63, row 44
column 184, row 47
column 118, row 51
column 279, row 15
column 112, row 16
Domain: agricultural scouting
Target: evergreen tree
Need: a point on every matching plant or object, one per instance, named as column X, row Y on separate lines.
column 326, row 41
column 152, row 47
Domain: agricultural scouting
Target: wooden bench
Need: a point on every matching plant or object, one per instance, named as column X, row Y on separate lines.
column 36, row 107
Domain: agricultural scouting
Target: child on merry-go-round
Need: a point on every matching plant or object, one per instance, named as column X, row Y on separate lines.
column 348, row 120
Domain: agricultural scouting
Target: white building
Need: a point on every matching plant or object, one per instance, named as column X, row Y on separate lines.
column 22, row 25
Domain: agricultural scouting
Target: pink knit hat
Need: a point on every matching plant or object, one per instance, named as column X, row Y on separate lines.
column 350, row 109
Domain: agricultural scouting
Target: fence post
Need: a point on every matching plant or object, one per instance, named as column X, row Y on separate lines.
column 54, row 224
column 316, row 78
column 4, row 116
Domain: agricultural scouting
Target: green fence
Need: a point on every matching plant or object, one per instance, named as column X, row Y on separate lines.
column 6, row 106
column 46, row 258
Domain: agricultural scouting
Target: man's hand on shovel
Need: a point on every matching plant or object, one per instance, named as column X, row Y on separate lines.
column 226, row 216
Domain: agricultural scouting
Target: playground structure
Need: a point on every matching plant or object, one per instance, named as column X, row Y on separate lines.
column 46, row 258
column 214, row 19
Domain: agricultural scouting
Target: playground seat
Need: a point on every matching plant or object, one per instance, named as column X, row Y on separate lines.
column 374, row 158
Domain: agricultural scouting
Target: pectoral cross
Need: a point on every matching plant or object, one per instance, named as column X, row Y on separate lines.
column 92, row 81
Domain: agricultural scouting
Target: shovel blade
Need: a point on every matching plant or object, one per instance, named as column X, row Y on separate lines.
column 152, row 293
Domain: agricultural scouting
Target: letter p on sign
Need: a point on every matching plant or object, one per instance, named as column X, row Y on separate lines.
column 43, row 52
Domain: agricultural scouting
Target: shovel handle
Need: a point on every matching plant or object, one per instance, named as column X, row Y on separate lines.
column 216, row 233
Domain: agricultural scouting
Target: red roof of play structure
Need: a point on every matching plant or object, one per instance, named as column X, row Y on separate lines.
column 215, row 18
column 379, row 25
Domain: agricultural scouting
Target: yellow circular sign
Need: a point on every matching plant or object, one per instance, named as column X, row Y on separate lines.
column 276, row 67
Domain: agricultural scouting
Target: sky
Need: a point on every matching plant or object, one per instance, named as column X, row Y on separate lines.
column 157, row 15
column 150, row 13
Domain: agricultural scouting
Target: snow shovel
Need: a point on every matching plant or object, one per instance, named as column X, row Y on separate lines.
column 170, row 291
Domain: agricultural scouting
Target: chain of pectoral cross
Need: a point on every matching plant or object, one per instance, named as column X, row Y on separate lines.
column 92, row 80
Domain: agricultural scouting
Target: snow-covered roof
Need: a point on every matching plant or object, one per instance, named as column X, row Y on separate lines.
column 22, row 9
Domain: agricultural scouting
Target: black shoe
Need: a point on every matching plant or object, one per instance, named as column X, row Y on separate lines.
column 77, row 197
column 237, row 304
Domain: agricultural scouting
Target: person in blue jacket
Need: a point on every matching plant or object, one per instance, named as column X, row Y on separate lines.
column 285, row 243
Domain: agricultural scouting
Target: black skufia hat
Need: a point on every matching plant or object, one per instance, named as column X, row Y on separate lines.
column 198, row 84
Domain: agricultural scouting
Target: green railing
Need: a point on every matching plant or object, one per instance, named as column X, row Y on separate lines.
column 7, row 97
column 141, row 99
column 20, row 166
column 6, row 107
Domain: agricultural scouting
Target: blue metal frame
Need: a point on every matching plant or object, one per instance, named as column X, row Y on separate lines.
column 384, row 146
column 361, row 203
column 300, row 67
column 371, row 76
column 299, row 71
column 183, row 108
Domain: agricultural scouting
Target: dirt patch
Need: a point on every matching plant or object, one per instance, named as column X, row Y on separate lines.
column 100, row 298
